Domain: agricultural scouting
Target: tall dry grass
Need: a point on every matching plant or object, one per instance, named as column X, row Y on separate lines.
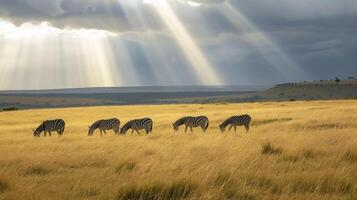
column 295, row 150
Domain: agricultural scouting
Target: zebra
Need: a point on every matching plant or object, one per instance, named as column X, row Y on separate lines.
column 242, row 120
column 138, row 124
column 105, row 124
column 191, row 122
column 57, row 125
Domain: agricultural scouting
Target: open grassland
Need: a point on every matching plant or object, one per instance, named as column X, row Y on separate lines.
column 295, row 150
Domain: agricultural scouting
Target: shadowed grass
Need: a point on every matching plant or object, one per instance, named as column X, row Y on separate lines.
column 349, row 156
column 35, row 171
column 156, row 191
column 4, row 185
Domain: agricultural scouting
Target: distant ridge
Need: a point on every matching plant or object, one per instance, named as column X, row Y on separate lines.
column 142, row 89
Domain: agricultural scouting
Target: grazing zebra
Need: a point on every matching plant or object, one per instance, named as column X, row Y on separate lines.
column 242, row 120
column 105, row 124
column 57, row 125
column 191, row 122
column 138, row 124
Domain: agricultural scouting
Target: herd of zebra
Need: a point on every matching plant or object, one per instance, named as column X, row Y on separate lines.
column 58, row 125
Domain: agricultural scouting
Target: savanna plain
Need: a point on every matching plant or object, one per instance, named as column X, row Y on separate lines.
column 294, row 150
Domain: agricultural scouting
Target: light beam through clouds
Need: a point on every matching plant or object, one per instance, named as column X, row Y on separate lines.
column 41, row 56
column 200, row 65
column 271, row 51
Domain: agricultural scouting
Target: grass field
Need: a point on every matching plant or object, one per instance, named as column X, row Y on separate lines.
column 295, row 150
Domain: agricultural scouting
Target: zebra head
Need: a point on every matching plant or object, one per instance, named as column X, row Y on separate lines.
column 90, row 130
column 222, row 127
column 176, row 126
column 38, row 130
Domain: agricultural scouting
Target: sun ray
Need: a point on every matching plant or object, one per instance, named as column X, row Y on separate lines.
column 279, row 60
column 75, row 58
column 202, row 68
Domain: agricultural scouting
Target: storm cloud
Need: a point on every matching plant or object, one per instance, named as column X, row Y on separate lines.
column 317, row 36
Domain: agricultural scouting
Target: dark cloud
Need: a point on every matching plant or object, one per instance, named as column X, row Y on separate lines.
column 318, row 35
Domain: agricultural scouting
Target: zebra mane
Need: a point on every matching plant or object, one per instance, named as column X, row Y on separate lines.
column 41, row 127
column 226, row 122
column 127, row 126
column 180, row 121
column 95, row 125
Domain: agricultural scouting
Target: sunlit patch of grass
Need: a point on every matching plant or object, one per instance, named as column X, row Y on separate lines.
column 88, row 192
column 93, row 162
column 299, row 156
column 268, row 148
column 327, row 185
column 222, row 179
column 125, row 167
column 269, row 121
column 298, row 163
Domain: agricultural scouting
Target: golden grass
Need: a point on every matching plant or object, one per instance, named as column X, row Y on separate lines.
column 316, row 159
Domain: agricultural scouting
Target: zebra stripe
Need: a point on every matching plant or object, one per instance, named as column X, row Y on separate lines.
column 192, row 122
column 138, row 124
column 105, row 124
column 242, row 120
column 57, row 125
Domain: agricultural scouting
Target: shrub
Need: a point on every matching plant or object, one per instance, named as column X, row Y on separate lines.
column 4, row 185
column 267, row 148
column 10, row 109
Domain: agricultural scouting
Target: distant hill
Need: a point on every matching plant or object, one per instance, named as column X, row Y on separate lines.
column 324, row 90
column 117, row 96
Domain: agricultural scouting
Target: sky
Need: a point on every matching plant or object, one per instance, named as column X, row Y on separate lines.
column 47, row 44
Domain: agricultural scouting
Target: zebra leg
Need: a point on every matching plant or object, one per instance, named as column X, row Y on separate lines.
column 49, row 133
column 45, row 133
column 246, row 128
column 191, row 129
column 235, row 128
column 137, row 131
column 104, row 132
column 230, row 127
column 101, row 134
column 186, row 128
